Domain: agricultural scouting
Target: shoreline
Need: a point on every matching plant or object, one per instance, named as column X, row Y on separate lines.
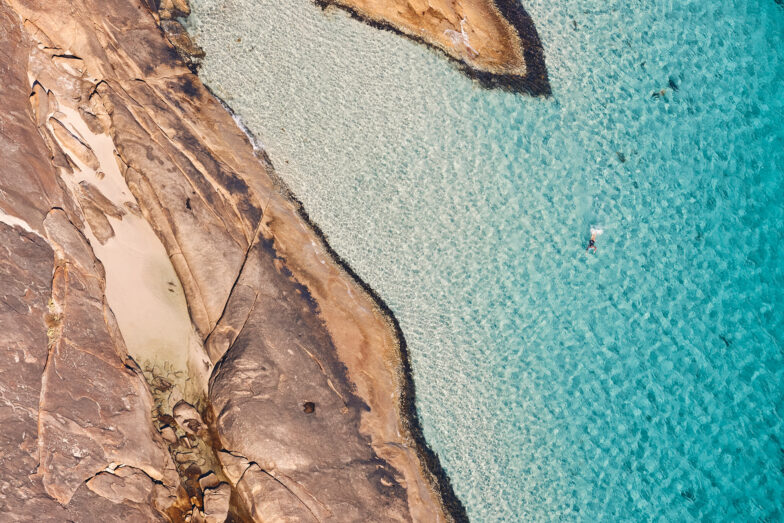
column 284, row 329
column 534, row 82
column 436, row 475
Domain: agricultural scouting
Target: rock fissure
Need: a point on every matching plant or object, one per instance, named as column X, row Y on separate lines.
column 234, row 285
column 62, row 267
column 227, row 196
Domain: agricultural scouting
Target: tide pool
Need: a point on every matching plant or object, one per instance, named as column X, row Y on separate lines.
column 643, row 382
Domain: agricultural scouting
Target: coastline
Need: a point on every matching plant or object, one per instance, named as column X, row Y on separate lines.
column 437, row 476
column 182, row 342
column 535, row 81
column 439, row 479
column 121, row 132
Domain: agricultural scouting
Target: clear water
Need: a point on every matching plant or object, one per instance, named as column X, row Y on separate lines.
column 645, row 382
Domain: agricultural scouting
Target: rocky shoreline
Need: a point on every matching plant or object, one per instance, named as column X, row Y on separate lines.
column 407, row 404
column 181, row 342
column 452, row 505
column 516, row 63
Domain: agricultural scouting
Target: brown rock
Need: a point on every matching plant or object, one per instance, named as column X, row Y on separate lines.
column 85, row 362
column 168, row 434
column 96, row 208
column 197, row 516
column 209, row 480
column 281, row 360
column 216, row 503
column 234, row 466
column 72, row 65
column 122, row 484
column 187, row 418
column 63, row 422
column 175, row 8
column 496, row 41
column 93, row 122
column 74, row 145
column 269, row 500
column 97, row 220
column 281, row 320
column 181, row 40
column 91, row 193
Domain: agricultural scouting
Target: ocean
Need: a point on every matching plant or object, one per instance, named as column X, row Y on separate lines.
column 643, row 382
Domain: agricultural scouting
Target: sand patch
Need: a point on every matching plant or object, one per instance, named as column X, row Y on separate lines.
column 142, row 287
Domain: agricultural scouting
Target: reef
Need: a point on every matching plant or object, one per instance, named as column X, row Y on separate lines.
column 179, row 342
column 494, row 42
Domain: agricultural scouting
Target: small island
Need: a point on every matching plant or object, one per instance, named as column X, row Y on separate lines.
column 492, row 41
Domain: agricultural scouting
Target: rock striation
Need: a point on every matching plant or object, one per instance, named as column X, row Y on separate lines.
column 178, row 341
column 492, row 41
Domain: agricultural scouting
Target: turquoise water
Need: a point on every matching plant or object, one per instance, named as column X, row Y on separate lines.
column 645, row 382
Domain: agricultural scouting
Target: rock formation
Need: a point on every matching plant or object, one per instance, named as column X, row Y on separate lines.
column 178, row 342
column 493, row 41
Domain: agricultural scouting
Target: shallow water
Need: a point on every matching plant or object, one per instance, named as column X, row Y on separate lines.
column 643, row 382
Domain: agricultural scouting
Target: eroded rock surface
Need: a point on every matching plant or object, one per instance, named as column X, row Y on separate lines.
column 280, row 397
column 94, row 409
column 70, row 404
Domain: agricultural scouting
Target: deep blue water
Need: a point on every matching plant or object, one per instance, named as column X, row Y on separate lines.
column 643, row 382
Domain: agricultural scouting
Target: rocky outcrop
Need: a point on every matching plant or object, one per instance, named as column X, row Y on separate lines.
column 168, row 13
column 178, row 340
column 72, row 405
column 271, row 369
column 492, row 41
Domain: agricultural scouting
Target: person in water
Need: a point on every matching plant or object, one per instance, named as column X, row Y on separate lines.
column 592, row 242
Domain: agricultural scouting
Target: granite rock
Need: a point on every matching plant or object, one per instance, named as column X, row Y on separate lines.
column 278, row 321
column 493, row 41
column 216, row 503
column 187, row 417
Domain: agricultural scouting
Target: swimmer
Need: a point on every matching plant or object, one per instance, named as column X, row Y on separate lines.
column 659, row 94
column 595, row 231
column 592, row 243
